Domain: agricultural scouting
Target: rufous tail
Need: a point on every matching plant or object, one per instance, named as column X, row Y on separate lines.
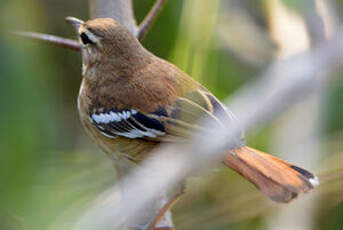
column 276, row 178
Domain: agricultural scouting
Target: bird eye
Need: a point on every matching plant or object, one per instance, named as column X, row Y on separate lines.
column 85, row 39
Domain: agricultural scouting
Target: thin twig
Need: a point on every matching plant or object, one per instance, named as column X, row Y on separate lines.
column 149, row 19
column 75, row 45
column 51, row 39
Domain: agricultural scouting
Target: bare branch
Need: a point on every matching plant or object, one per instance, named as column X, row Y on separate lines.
column 149, row 19
column 51, row 39
column 120, row 10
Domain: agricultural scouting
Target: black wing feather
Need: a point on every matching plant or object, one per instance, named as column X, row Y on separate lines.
column 128, row 123
column 171, row 122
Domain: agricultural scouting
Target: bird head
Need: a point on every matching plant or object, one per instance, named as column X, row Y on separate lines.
column 105, row 41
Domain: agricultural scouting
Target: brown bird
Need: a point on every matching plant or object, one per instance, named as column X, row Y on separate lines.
column 130, row 101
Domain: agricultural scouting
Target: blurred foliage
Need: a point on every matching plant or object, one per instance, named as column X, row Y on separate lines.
column 50, row 170
column 297, row 5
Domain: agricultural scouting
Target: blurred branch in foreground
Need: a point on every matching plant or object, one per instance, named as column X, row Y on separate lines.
column 297, row 135
column 236, row 27
column 284, row 84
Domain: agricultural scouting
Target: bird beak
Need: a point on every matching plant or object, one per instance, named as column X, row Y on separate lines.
column 76, row 23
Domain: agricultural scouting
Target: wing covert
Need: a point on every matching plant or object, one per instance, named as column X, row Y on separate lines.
column 168, row 123
column 127, row 123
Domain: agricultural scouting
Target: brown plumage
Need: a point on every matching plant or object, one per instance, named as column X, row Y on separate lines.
column 130, row 101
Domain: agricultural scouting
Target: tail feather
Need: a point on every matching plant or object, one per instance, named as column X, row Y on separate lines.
column 276, row 178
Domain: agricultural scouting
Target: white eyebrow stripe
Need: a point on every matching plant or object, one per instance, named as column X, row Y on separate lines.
column 91, row 36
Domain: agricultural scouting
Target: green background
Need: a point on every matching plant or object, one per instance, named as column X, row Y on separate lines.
column 50, row 170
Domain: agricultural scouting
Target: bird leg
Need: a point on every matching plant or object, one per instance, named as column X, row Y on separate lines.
column 164, row 214
column 158, row 216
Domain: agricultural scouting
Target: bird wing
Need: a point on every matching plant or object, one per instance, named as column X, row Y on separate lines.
column 171, row 122
column 128, row 123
